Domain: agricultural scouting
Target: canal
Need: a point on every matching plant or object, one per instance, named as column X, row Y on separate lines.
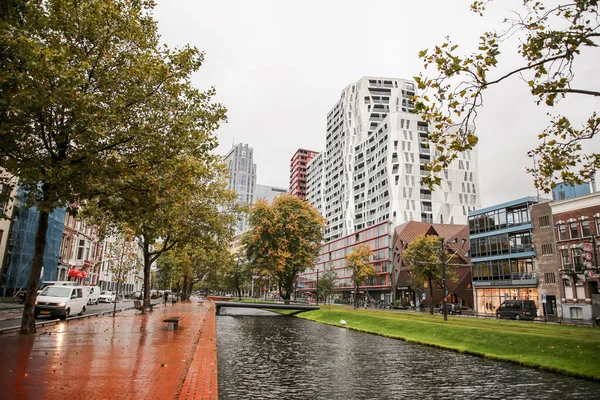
column 262, row 355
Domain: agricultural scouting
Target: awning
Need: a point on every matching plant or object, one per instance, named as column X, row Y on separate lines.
column 76, row 273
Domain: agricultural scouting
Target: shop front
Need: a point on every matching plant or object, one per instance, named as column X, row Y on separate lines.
column 487, row 300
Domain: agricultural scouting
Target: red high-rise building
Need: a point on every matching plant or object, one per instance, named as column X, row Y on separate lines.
column 298, row 172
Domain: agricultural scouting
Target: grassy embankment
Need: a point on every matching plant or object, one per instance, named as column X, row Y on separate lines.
column 564, row 349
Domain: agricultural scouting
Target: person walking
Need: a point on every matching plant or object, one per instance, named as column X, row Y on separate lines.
column 166, row 297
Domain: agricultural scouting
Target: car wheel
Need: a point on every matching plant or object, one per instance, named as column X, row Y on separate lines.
column 97, row 302
column 517, row 317
column 82, row 311
column 66, row 315
column 499, row 316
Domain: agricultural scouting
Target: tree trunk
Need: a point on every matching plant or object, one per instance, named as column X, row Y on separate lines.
column 28, row 320
column 430, row 297
column 147, row 264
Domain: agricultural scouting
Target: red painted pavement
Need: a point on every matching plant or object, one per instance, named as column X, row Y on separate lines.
column 130, row 356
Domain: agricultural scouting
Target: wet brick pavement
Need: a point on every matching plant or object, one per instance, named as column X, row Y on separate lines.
column 130, row 356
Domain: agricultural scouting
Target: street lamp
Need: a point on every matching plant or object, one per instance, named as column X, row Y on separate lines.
column 317, row 286
column 444, row 280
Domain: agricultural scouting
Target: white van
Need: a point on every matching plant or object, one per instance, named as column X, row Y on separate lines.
column 92, row 293
column 61, row 301
column 51, row 283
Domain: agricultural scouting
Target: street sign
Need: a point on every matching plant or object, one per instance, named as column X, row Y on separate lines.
column 505, row 296
column 543, row 298
column 423, row 296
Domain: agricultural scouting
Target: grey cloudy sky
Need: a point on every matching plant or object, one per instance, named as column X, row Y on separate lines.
column 280, row 66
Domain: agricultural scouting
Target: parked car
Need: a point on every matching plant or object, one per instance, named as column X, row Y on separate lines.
column 93, row 294
column 138, row 295
column 61, row 301
column 517, row 309
column 107, row 297
column 451, row 309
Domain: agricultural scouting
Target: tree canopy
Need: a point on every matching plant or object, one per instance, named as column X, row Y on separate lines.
column 283, row 240
column 552, row 38
column 358, row 263
column 423, row 256
column 92, row 108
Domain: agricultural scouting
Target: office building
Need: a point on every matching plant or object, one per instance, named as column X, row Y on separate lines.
column 242, row 177
column 268, row 193
column 502, row 254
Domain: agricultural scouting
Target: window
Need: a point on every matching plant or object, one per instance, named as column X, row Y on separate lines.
column 80, row 249
column 574, row 232
column 544, row 221
column 562, row 232
column 576, row 312
column 585, row 228
column 566, row 260
column 549, row 278
column 547, row 249
column 578, row 259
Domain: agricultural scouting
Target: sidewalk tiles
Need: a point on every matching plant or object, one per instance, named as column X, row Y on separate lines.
column 129, row 356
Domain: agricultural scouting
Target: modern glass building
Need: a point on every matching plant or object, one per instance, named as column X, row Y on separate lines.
column 20, row 247
column 333, row 253
column 502, row 254
column 242, row 177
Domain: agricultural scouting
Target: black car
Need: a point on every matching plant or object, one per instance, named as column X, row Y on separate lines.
column 517, row 309
column 451, row 309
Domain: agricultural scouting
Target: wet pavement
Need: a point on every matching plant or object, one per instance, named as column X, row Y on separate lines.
column 129, row 356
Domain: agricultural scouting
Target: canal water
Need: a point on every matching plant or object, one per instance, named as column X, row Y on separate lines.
column 262, row 355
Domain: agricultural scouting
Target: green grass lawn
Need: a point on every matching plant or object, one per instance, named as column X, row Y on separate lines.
column 564, row 349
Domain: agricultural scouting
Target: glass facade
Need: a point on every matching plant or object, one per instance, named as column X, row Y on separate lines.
column 20, row 253
column 333, row 256
column 487, row 301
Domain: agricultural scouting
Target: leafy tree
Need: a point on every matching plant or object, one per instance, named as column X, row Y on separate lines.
column 551, row 40
column 123, row 257
column 327, row 283
column 358, row 263
column 88, row 100
column 424, row 258
column 283, row 240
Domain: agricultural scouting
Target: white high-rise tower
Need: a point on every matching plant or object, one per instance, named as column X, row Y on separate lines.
column 242, row 177
column 376, row 149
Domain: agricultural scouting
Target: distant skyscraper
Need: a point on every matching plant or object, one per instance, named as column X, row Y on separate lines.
column 298, row 165
column 267, row 192
column 376, row 149
column 242, row 177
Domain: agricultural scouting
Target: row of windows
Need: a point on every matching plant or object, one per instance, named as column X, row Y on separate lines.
column 498, row 219
column 501, row 244
column 503, row 270
column 574, row 229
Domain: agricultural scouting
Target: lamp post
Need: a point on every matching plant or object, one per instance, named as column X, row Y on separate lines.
column 444, row 279
column 317, row 286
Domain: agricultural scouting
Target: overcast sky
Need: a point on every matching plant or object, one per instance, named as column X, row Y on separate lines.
column 280, row 66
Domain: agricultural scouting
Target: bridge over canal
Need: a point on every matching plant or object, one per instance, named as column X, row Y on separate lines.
column 296, row 307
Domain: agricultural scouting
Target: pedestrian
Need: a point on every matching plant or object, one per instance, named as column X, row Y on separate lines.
column 166, row 297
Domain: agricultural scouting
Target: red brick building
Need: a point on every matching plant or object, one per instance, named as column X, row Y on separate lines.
column 298, row 172
column 576, row 224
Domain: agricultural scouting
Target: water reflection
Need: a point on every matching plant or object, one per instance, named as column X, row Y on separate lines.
column 273, row 357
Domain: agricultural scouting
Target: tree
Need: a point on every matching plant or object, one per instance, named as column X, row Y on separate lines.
column 87, row 100
column 123, row 258
column 327, row 283
column 551, row 40
column 424, row 258
column 358, row 263
column 283, row 240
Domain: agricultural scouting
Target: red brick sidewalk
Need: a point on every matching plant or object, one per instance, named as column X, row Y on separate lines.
column 130, row 356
